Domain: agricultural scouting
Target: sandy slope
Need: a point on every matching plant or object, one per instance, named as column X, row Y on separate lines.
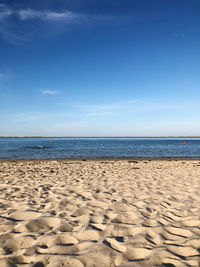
column 100, row 213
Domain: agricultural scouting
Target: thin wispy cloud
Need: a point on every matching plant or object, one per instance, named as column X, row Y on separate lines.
column 125, row 107
column 4, row 12
column 33, row 116
column 46, row 15
column 13, row 20
column 148, row 107
column 97, row 114
column 27, row 117
column 132, row 101
column 129, row 106
column 41, row 116
column 97, row 108
column 5, row 81
column 7, row 26
column 69, row 125
column 49, row 92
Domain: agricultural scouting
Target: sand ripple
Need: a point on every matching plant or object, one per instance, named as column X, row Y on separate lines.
column 99, row 213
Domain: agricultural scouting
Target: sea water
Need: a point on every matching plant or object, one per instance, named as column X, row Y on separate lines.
column 45, row 148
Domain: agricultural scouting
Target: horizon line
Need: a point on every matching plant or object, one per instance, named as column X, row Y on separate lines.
column 161, row 136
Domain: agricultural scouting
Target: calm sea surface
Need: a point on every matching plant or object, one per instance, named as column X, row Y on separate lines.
column 43, row 148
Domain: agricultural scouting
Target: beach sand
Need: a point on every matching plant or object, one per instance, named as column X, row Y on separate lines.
column 98, row 213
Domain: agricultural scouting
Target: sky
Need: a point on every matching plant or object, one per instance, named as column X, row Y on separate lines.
column 99, row 68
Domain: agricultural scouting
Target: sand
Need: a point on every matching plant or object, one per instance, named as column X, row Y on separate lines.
column 98, row 213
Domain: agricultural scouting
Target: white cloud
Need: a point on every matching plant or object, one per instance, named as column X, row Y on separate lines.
column 4, row 12
column 46, row 15
column 29, row 14
column 6, row 27
column 67, row 15
column 50, row 92
column 14, row 29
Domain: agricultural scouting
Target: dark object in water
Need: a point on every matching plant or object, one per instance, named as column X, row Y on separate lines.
column 39, row 146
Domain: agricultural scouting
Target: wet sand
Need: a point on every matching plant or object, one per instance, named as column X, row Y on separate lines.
column 98, row 213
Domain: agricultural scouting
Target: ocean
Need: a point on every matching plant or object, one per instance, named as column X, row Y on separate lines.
column 44, row 148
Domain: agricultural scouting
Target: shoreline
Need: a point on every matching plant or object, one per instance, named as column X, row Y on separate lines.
column 99, row 159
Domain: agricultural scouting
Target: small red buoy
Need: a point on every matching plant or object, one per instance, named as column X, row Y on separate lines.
column 51, row 141
column 184, row 143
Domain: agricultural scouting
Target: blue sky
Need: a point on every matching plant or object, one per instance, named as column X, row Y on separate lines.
column 100, row 68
